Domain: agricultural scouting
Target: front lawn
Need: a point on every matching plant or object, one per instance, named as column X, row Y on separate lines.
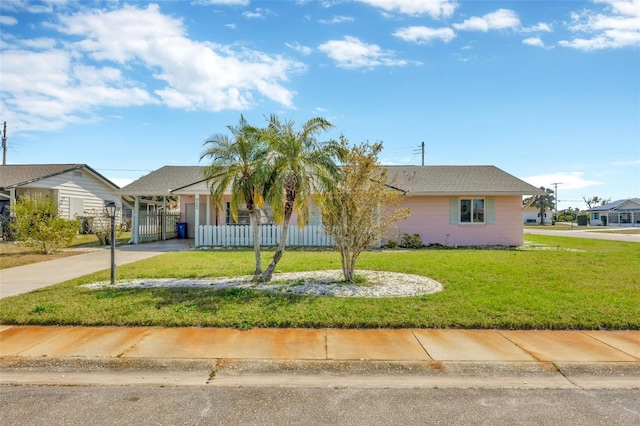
column 14, row 254
column 566, row 284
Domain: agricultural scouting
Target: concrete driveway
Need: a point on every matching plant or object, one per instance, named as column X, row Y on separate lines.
column 23, row 279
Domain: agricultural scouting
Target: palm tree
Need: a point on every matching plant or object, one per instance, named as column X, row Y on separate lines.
column 542, row 202
column 237, row 163
column 299, row 167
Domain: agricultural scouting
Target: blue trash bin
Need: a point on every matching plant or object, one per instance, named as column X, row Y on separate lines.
column 182, row 230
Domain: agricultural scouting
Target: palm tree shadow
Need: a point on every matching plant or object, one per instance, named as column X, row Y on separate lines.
column 211, row 300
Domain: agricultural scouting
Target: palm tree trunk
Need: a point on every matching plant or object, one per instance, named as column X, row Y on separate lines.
column 253, row 217
column 268, row 273
column 288, row 210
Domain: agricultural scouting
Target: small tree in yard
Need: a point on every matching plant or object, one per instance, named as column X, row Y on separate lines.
column 38, row 224
column 99, row 224
column 360, row 210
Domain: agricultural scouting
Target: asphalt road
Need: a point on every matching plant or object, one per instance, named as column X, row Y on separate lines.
column 592, row 234
column 202, row 405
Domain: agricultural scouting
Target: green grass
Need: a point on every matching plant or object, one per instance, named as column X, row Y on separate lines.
column 13, row 254
column 573, row 284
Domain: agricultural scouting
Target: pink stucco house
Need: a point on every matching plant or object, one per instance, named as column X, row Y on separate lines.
column 450, row 205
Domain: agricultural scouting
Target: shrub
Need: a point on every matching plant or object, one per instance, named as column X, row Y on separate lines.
column 8, row 229
column 392, row 244
column 37, row 224
column 583, row 220
column 412, row 241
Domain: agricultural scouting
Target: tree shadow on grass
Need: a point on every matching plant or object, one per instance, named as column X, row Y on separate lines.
column 233, row 307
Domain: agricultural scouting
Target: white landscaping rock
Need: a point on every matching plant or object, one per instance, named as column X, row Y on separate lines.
column 316, row 283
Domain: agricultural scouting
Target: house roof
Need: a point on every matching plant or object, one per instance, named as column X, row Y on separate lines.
column 458, row 180
column 164, row 180
column 414, row 180
column 15, row 175
column 619, row 205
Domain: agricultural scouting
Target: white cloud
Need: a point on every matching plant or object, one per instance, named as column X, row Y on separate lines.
column 41, row 43
column 617, row 27
column 337, row 20
column 565, row 180
column 253, row 15
column 353, row 53
column 305, row 50
column 46, row 90
column 433, row 8
column 539, row 27
column 48, row 87
column 425, row 34
column 8, row 20
column 223, row 2
column 533, row 41
column 626, row 163
column 499, row 20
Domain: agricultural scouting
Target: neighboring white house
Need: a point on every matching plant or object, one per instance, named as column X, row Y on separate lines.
column 76, row 188
column 532, row 215
column 617, row 213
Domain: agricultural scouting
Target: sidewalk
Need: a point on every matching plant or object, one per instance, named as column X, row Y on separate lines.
column 320, row 357
column 23, row 279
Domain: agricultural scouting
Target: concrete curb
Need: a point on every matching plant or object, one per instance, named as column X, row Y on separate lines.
column 311, row 373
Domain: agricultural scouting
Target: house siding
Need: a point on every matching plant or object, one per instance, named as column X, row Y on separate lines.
column 66, row 186
column 431, row 218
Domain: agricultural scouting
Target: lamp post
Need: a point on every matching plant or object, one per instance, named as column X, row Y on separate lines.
column 110, row 208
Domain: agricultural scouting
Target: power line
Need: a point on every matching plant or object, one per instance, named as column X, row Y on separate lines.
column 125, row 170
column 420, row 149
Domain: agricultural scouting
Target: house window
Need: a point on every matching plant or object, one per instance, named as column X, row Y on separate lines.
column 472, row 210
column 243, row 216
column 266, row 215
column 596, row 216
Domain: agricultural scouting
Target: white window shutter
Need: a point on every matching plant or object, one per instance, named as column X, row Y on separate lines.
column 491, row 210
column 454, row 212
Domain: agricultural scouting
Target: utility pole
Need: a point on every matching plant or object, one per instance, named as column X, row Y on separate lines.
column 415, row 151
column 555, row 193
column 4, row 144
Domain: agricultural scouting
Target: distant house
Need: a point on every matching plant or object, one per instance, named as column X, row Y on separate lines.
column 76, row 188
column 450, row 205
column 532, row 215
column 617, row 213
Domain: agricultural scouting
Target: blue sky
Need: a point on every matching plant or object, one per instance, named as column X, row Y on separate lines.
column 548, row 91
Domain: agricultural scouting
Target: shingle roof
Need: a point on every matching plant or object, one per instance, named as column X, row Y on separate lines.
column 14, row 175
column 415, row 180
column 462, row 180
column 164, row 180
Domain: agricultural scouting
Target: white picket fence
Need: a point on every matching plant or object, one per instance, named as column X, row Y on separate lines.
column 242, row 236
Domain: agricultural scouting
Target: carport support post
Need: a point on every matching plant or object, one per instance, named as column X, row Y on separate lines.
column 136, row 220
column 197, row 220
